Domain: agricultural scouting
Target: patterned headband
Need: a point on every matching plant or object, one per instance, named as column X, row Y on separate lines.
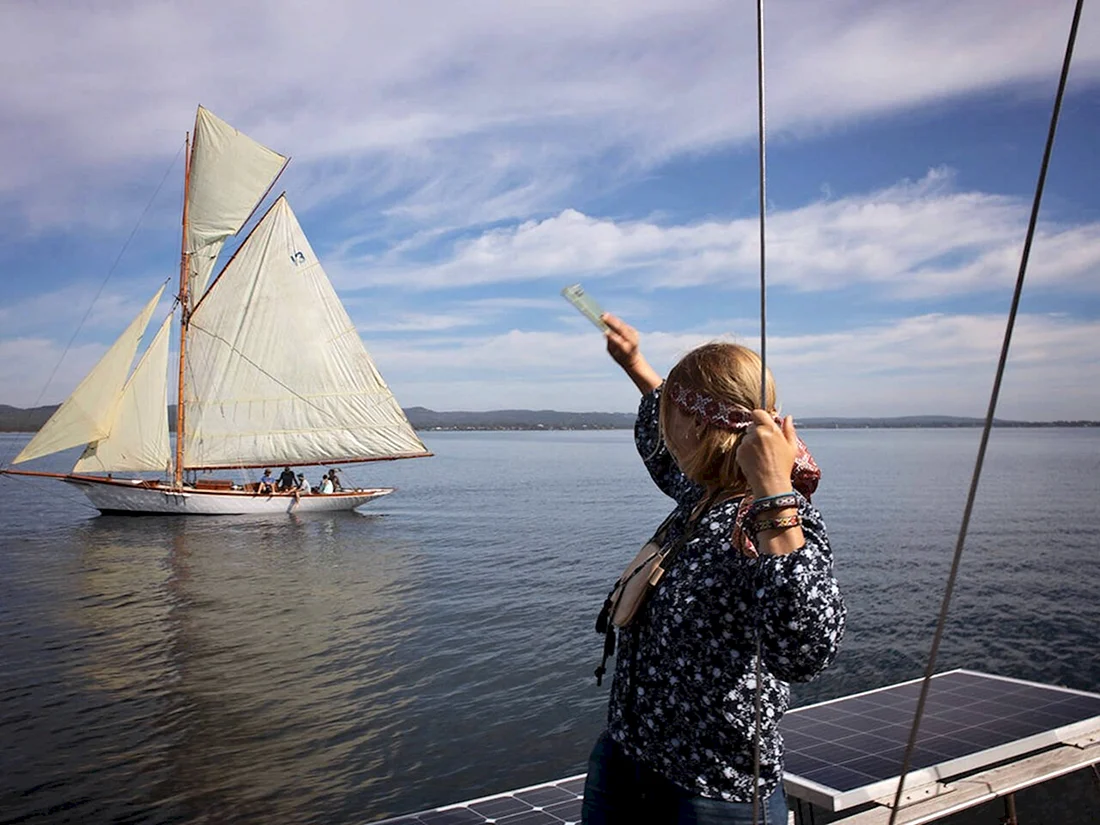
column 805, row 474
column 710, row 410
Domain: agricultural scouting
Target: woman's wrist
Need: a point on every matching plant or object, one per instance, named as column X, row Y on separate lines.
column 645, row 378
column 768, row 488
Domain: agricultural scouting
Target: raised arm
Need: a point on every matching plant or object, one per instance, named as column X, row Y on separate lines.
column 622, row 345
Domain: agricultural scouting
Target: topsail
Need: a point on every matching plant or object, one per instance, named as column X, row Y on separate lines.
column 230, row 174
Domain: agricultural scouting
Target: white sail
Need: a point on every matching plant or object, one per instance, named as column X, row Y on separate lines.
column 138, row 438
column 230, row 173
column 276, row 371
column 86, row 415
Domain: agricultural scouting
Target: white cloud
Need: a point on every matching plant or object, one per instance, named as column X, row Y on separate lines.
column 28, row 364
column 929, row 364
column 419, row 323
column 475, row 111
column 63, row 310
column 913, row 240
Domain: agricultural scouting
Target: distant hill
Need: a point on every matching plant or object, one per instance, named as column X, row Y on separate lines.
column 14, row 419
column 424, row 419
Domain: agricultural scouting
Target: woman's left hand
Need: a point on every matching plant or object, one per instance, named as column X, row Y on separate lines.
column 766, row 454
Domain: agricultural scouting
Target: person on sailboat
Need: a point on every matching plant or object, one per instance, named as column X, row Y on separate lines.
column 327, row 485
column 287, row 480
column 753, row 571
column 266, row 484
column 303, row 485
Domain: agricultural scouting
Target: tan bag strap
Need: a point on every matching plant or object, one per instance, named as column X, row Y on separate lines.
column 697, row 513
column 604, row 625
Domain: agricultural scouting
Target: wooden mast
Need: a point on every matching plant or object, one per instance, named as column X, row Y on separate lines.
column 185, row 313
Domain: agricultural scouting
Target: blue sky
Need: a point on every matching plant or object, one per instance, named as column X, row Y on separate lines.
column 456, row 164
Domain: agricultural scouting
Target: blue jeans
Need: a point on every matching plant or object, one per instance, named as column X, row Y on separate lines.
column 620, row 791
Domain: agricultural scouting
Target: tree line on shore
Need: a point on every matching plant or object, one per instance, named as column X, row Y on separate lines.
column 15, row 419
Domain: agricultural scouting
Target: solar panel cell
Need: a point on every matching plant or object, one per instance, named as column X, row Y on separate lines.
column 841, row 778
column 459, row 816
column 499, row 807
column 575, row 786
column 530, row 818
column 566, row 811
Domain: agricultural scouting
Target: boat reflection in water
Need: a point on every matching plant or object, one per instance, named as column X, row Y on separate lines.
column 216, row 673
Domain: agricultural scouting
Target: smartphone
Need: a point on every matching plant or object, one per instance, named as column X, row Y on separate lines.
column 576, row 295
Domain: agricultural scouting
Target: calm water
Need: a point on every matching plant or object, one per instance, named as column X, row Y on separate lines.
column 438, row 644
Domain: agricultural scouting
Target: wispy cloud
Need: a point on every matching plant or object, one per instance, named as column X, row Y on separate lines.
column 420, row 323
column 27, row 365
column 935, row 364
column 473, row 112
column 77, row 306
column 914, row 240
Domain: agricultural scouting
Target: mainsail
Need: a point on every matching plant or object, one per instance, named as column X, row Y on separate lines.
column 138, row 438
column 88, row 414
column 229, row 175
column 276, row 372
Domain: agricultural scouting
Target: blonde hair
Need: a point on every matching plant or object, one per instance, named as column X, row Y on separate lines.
column 725, row 372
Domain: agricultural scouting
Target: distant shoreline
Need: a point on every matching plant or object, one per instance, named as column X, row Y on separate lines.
column 16, row 420
column 1019, row 425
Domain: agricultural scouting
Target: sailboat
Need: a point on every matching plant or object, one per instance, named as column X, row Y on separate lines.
column 271, row 371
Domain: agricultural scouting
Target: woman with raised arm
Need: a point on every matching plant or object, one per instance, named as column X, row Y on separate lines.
column 753, row 566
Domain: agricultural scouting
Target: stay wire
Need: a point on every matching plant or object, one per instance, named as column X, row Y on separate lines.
column 103, row 285
column 758, row 702
column 972, row 494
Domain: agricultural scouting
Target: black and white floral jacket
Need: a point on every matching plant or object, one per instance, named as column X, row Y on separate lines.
column 683, row 696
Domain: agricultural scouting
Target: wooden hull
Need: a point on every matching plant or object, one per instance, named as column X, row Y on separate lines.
column 137, row 497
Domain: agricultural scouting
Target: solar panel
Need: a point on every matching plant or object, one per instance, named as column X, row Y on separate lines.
column 849, row 751
column 552, row 803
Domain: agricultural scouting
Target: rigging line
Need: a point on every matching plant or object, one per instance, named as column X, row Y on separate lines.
column 103, row 285
column 758, row 700
column 971, row 495
column 763, row 200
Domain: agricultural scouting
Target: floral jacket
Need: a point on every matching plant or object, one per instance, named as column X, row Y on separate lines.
column 683, row 696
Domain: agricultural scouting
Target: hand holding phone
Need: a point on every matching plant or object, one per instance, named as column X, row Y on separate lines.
column 576, row 295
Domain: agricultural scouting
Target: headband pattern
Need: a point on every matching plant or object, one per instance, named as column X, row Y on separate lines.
column 710, row 410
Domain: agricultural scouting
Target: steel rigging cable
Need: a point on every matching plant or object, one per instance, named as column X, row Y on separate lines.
column 953, row 575
column 971, row 495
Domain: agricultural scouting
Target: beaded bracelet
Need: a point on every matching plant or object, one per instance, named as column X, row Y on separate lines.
column 769, row 503
column 777, row 495
column 782, row 523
